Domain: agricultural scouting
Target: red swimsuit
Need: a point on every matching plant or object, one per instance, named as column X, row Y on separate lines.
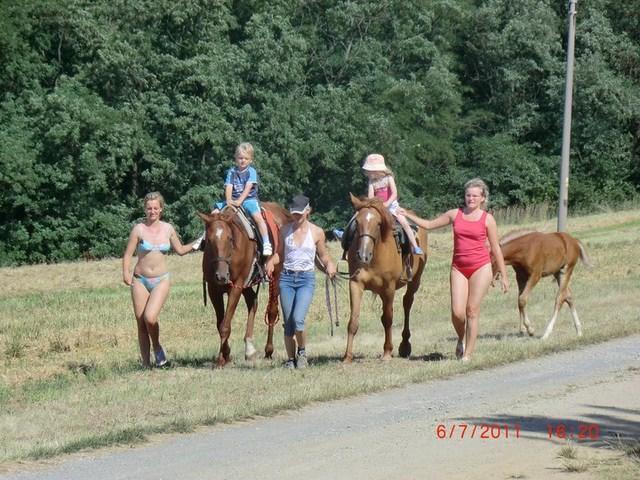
column 469, row 244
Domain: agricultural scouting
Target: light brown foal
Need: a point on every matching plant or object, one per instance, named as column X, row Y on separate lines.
column 534, row 255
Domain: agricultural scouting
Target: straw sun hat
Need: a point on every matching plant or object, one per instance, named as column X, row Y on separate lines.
column 374, row 163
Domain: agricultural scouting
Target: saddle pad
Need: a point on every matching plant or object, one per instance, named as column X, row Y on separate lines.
column 244, row 221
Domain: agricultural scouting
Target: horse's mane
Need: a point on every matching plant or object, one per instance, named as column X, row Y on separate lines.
column 513, row 234
column 377, row 204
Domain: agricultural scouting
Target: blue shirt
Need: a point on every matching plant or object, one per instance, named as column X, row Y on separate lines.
column 239, row 179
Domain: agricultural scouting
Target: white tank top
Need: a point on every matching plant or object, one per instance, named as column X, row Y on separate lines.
column 299, row 257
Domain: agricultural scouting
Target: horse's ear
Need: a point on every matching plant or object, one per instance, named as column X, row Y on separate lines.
column 355, row 201
column 204, row 216
column 227, row 217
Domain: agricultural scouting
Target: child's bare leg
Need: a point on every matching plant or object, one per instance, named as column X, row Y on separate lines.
column 262, row 227
column 264, row 233
column 407, row 229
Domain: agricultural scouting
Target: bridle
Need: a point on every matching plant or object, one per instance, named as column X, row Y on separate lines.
column 373, row 239
column 226, row 260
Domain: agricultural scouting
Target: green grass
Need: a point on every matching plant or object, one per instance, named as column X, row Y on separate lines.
column 70, row 378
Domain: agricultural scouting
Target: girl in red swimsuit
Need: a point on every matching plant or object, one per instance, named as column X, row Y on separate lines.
column 471, row 272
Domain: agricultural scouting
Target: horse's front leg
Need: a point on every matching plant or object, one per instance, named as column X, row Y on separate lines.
column 526, row 282
column 355, row 299
column 387, row 322
column 217, row 300
column 407, row 302
column 224, row 328
column 251, row 299
column 272, row 313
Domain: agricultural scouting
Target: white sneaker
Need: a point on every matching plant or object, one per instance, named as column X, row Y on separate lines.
column 267, row 249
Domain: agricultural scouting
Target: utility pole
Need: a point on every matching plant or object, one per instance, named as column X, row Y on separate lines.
column 563, row 201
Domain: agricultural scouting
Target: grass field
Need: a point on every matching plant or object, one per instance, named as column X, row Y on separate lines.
column 71, row 379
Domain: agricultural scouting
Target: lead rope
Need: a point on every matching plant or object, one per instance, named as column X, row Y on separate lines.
column 327, row 295
column 273, row 299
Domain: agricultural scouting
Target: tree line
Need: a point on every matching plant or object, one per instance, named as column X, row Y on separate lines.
column 102, row 101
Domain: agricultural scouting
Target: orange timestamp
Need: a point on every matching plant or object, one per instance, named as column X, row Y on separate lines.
column 573, row 431
column 483, row 431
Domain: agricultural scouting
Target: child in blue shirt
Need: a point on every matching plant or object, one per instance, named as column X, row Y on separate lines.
column 241, row 189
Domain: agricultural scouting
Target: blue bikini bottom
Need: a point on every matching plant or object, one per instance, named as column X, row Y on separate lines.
column 151, row 282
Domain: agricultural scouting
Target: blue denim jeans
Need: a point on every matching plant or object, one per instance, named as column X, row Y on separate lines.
column 296, row 293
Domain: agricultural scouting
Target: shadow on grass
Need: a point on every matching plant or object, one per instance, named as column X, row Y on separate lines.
column 496, row 336
column 332, row 359
column 192, row 362
column 429, row 357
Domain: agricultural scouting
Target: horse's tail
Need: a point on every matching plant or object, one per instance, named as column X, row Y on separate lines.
column 583, row 255
column 204, row 290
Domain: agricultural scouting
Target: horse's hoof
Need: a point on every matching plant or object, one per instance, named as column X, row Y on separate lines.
column 249, row 350
column 404, row 351
column 347, row 359
column 386, row 357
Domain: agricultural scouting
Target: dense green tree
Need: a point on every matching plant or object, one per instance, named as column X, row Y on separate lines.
column 102, row 102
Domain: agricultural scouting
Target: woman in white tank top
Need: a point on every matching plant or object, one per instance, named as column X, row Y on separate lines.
column 301, row 240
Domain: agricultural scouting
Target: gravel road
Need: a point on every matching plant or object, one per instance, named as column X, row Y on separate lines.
column 590, row 392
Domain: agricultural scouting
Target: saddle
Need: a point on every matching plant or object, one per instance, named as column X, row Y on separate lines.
column 246, row 221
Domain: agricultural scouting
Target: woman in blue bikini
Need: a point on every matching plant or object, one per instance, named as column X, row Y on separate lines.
column 150, row 279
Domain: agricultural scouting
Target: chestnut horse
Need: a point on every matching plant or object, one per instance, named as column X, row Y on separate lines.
column 227, row 267
column 376, row 265
column 534, row 255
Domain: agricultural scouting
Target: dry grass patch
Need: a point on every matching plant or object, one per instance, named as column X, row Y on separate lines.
column 71, row 380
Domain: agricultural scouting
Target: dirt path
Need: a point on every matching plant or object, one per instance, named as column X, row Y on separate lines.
column 394, row 434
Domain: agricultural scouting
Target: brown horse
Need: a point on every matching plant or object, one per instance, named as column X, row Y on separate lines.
column 534, row 255
column 227, row 266
column 376, row 265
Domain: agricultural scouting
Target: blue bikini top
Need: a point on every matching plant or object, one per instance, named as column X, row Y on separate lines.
column 145, row 246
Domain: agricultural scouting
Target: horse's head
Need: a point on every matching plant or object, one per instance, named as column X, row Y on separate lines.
column 219, row 229
column 374, row 224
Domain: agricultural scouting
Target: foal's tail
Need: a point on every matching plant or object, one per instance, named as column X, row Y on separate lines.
column 583, row 255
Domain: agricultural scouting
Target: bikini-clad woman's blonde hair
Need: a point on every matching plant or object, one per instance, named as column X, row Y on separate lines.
column 154, row 196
